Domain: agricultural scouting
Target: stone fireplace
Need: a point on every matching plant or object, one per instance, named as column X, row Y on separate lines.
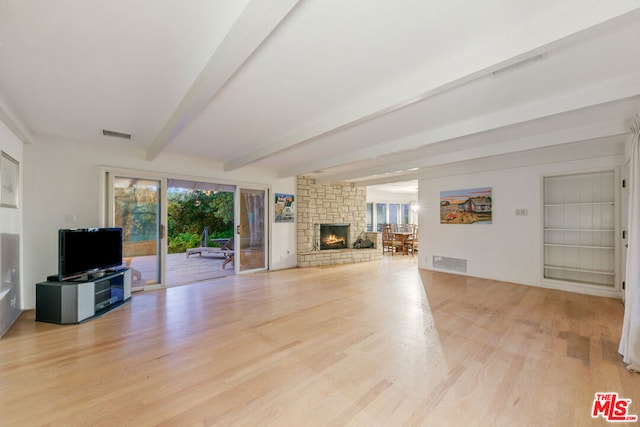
column 334, row 236
column 330, row 218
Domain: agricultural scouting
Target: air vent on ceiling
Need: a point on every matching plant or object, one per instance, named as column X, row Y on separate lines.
column 114, row 134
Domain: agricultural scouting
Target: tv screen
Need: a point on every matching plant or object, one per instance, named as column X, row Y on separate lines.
column 88, row 250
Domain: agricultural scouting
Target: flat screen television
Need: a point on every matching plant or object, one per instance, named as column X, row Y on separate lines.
column 86, row 251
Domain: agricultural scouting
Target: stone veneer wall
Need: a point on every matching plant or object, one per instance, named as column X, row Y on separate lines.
column 337, row 203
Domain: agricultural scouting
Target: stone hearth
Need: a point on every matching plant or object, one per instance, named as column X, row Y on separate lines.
column 337, row 203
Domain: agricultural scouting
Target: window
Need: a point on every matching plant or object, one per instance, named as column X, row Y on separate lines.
column 394, row 208
column 406, row 214
column 381, row 214
column 369, row 216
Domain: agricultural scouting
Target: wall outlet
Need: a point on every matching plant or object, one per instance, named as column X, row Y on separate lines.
column 521, row 212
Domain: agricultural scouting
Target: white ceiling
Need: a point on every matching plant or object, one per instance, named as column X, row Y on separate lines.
column 369, row 91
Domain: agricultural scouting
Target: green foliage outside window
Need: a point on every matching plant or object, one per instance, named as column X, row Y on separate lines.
column 190, row 211
column 136, row 211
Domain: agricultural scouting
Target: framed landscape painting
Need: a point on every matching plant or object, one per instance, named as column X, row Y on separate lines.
column 470, row 206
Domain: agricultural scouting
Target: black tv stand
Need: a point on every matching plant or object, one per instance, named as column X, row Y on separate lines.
column 75, row 301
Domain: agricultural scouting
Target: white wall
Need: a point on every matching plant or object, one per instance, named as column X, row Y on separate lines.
column 376, row 196
column 62, row 179
column 510, row 248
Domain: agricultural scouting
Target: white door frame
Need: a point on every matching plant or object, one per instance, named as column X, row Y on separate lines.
column 107, row 212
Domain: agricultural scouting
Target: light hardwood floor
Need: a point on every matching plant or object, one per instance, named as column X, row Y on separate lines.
column 378, row 343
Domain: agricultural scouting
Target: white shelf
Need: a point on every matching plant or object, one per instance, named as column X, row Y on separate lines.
column 579, row 237
column 580, row 204
column 561, row 245
column 580, row 270
column 604, row 230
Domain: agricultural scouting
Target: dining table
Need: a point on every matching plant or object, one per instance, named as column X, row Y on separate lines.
column 403, row 236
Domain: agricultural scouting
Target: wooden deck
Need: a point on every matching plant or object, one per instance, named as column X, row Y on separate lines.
column 180, row 269
column 196, row 268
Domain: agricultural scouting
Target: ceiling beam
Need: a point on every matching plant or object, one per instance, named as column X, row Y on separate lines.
column 254, row 25
column 343, row 120
column 610, row 146
column 583, row 150
column 546, row 140
column 420, row 86
column 608, row 91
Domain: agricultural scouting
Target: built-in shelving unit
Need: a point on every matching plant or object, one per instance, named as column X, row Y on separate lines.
column 579, row 228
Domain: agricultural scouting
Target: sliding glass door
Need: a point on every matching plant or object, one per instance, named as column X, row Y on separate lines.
column 251, row 230
column 135, row 207
column 136, row 203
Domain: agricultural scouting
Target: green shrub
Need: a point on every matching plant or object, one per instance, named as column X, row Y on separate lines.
column 182, row 242
column 223, row 234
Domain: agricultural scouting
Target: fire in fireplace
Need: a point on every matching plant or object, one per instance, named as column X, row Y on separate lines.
column 334, row 236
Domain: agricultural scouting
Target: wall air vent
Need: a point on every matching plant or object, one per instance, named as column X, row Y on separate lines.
column 116, row 134
column 450, row 264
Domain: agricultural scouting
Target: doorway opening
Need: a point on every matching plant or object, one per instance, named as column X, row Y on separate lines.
column 200, row 231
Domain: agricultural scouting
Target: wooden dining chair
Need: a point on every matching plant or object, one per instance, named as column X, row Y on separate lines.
column 412, row 241
column 389, row 242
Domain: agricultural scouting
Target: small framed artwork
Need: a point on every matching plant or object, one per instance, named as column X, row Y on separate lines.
column 284, row 208
column 9, row 174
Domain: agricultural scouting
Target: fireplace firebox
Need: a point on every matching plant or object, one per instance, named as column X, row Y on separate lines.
column 334, row 236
